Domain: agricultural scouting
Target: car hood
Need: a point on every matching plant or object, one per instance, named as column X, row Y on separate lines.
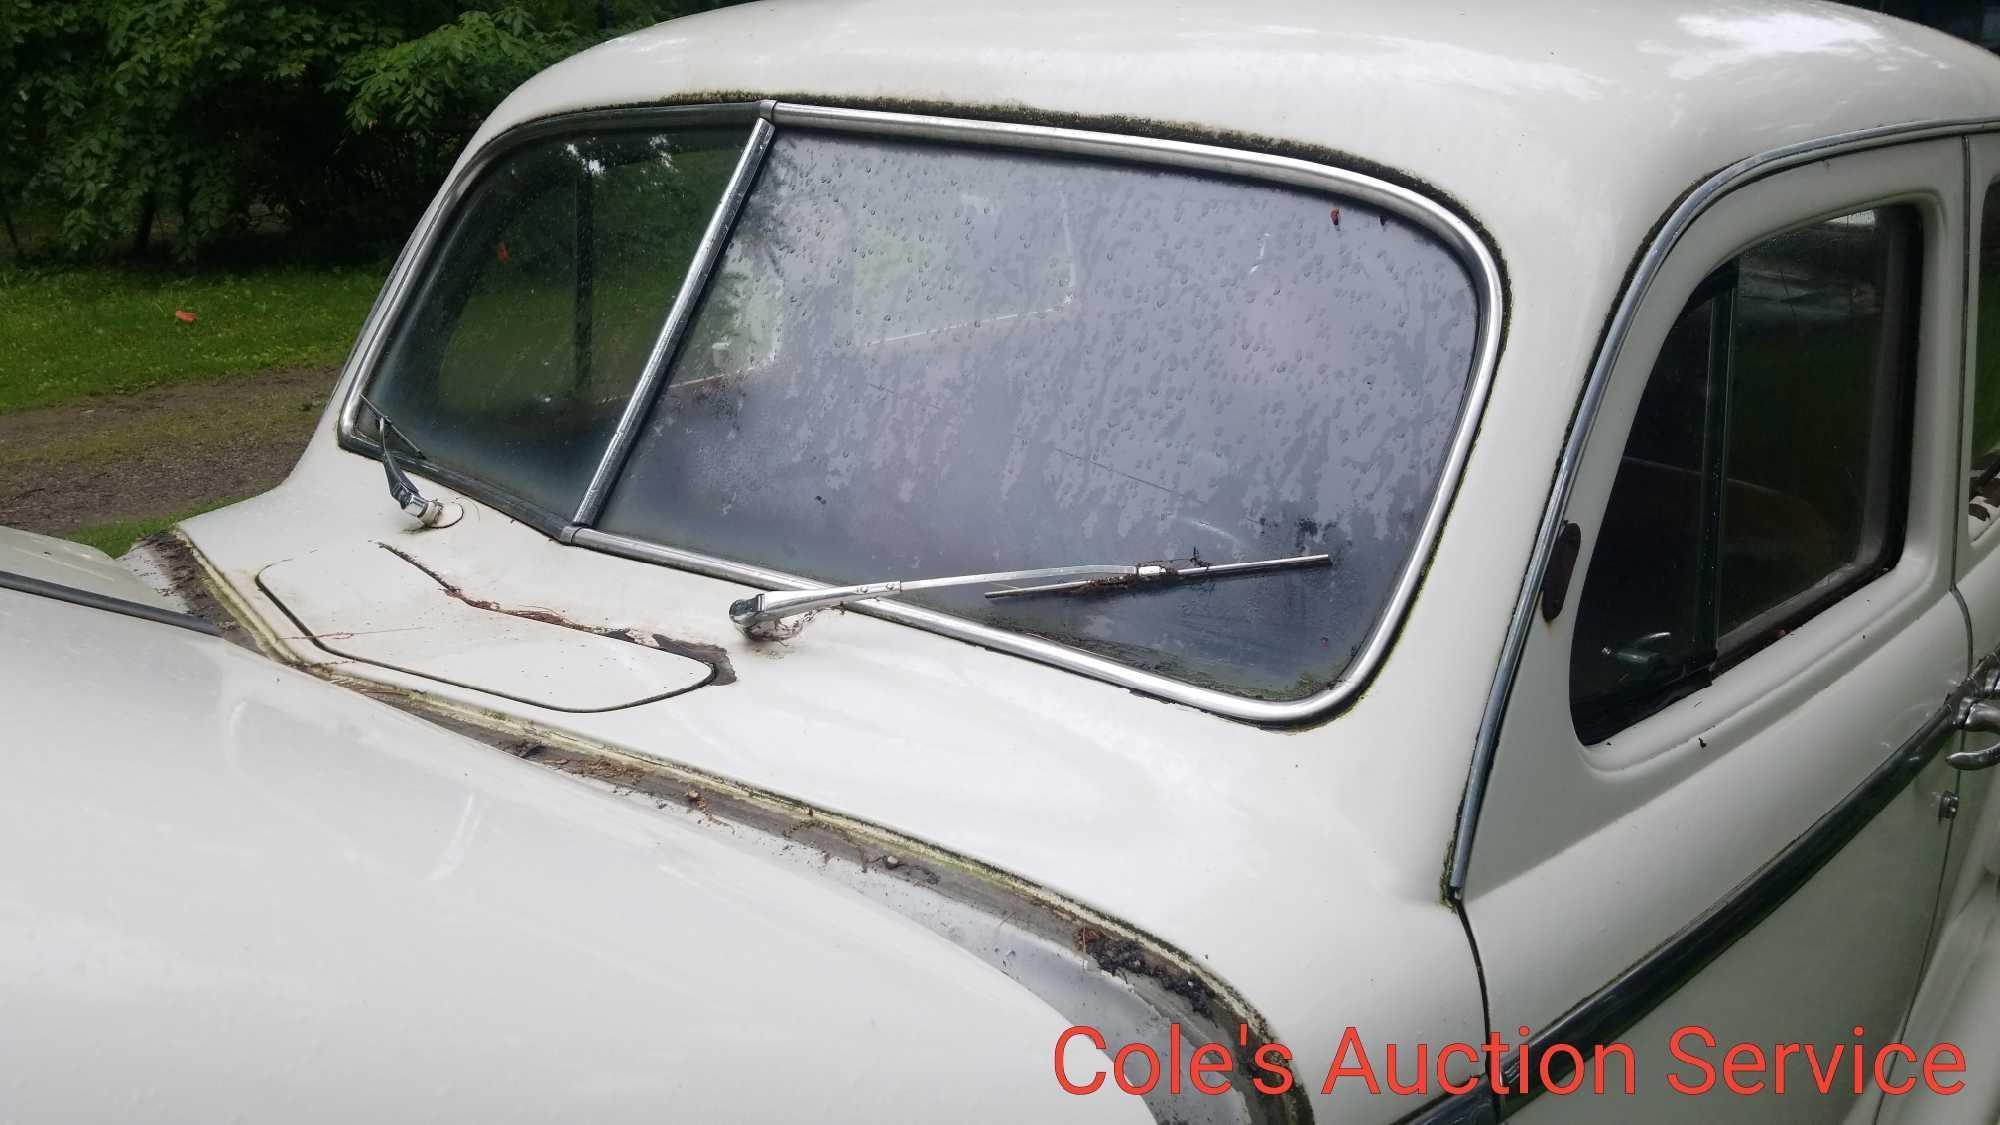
column 41, row 558
column 230, row 889
column 1294, row 870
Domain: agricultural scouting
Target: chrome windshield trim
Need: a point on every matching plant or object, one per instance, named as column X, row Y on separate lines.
column 706, row 253
column 110, row 603
column 1676, row 223
column 1481, row 266
column 425, row 242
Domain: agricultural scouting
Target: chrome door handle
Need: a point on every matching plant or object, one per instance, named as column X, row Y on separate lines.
column 1974, row 759
column 1986, row 680
column 1977, row 717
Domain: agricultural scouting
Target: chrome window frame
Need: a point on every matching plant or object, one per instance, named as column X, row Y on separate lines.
column 1458, row 236
column 680, row 316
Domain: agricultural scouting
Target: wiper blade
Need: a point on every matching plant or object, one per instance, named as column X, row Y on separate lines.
column 755, row 615
column 428, row 512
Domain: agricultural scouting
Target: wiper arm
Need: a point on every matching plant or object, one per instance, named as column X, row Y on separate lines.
column 428, row 512
column 752, row 615
column 1156, row 572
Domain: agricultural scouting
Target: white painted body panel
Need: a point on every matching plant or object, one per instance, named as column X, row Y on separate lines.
column 366, row 603
column 64, row 563
column 1180, row 823
column 1640, row 834
column 1303, row 867
column 1962, row 992
column 235, row 893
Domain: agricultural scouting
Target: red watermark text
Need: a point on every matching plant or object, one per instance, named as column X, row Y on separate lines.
column 1697, row 1064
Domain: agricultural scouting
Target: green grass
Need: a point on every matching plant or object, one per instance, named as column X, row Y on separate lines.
column 1986, row 386
column 115, row 539
column 76, row 332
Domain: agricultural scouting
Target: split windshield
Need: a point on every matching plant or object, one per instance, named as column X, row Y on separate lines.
column 916, row 358
column 515, row 358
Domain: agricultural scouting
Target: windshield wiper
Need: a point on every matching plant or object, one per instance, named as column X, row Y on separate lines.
column 428, row 512
column 752, row 615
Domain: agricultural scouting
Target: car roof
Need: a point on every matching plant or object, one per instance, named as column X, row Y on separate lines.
column 1518, row 112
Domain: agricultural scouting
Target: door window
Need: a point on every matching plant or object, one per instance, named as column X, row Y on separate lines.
column 1765, row 475
column 1986, row 370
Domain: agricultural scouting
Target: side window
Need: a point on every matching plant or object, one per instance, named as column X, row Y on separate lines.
column 1765, row 475
column 530, row 328
column 1986, row 372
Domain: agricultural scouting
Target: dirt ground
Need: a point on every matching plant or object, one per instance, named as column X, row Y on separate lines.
column 155, row 453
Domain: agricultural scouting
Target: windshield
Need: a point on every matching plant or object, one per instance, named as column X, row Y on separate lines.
column 528, row 332
column 919, row 359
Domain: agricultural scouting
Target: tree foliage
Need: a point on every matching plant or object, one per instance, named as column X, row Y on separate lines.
column 324, row 123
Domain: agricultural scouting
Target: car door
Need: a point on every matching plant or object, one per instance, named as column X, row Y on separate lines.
column 1713, row 815
column 1960, row 998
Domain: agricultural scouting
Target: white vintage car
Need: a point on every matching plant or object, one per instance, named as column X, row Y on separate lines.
column 1308, row 563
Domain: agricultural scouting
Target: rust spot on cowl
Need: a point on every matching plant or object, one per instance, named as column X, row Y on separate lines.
column 712, row 655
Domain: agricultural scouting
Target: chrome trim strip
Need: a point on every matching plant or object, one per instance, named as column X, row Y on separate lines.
column 1474, row 1107
column 1969, row 303
column 706, row 253
column 1619, row 1005
column 1676, row 223
column 1090, row 967
column 424, row 241
column 42, row 588
column 1483, row 272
